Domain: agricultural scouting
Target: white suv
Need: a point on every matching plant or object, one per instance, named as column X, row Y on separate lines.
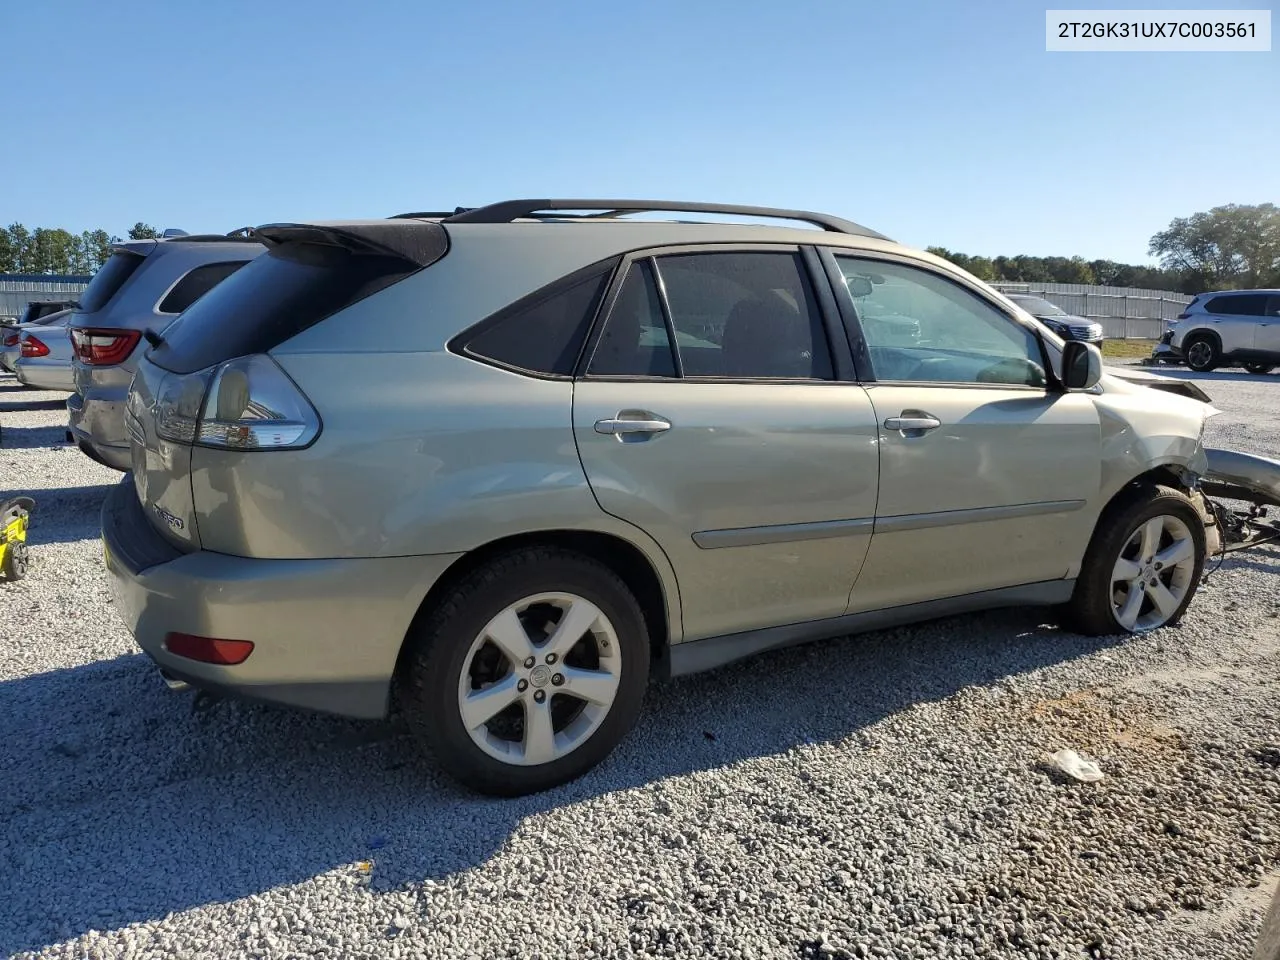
column 1230, row 327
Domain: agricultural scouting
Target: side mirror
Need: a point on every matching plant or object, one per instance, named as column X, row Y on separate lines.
column 1081, row 365
column 858, row 286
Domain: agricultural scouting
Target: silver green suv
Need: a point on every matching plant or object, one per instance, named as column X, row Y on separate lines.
column 500, row 467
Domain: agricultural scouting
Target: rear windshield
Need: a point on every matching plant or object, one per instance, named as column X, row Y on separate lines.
column 106, row 283
column 272, row 298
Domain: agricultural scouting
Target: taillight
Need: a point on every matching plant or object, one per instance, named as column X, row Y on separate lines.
column 208, row 649
column 102, row 348
column 243, row 404
column 11, row 339
column 33, row 347
column 1182, row 316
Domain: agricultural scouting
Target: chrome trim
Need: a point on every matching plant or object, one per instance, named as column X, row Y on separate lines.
column 781, row 533
column 950, row 518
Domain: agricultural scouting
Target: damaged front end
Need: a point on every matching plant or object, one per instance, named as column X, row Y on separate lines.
column 1238, row 489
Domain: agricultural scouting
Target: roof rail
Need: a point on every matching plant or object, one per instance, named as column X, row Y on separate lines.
column 508, row 210
column 431, row 215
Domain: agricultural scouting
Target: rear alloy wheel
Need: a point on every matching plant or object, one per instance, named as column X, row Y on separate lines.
column 1259, row 368
column 529, row 673
column 1143, row 566
column 1202, row 354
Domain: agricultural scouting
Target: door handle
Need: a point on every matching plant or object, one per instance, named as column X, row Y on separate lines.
column 633, row 422
column 913, row 422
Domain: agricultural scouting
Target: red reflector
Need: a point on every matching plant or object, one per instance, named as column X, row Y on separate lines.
column 102, row 348
column 208, row 650
column 33, row 347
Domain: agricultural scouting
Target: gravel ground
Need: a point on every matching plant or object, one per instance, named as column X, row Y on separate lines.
column 885, row 796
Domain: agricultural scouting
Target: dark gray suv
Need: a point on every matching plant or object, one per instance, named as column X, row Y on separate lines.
column 138, row 292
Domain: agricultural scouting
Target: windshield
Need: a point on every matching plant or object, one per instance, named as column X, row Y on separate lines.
column 1038, row 307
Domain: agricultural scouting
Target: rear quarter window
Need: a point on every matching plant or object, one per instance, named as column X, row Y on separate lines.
column 196, row 284
column 542, row 333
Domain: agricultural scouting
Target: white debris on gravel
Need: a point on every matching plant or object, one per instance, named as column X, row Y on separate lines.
column 877, row 797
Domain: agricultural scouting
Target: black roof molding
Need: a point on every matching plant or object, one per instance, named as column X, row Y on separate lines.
column 509, row 210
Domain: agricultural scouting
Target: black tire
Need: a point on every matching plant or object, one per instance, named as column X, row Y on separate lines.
column 1090, row 609
column 442, row 639
column 1202, row 352
column 1261, row 369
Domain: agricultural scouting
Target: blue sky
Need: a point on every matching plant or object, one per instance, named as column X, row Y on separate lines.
column 935, row 122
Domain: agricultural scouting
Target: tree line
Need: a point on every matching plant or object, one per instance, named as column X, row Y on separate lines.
column 1229, row 247
column 57, row 251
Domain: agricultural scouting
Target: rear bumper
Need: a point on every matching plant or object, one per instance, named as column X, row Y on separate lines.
column 46, row 374
column 79, row 416
column 326, row 633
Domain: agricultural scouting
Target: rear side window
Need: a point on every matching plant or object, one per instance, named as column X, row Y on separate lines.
column 106, row 283
column 635, row 342
column 196, row 284
column 745, row 315
column 1243, row 305
column 544, row 332
column 270, row 299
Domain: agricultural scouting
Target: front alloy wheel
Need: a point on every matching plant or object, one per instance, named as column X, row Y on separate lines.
column 1143, row 563
column 1153, row 574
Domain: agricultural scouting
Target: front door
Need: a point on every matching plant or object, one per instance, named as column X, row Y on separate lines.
column 710, row 416
column 989, row 475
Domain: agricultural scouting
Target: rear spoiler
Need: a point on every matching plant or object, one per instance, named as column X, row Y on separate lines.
column 416, row 241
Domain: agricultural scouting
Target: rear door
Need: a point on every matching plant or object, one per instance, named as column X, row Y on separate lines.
column 989, row 476
column 716, row 415
column 1268, row 336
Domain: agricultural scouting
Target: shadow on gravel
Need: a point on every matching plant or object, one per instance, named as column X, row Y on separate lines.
column 117, row 805
column 62, row 514
column 20, row 438
column 9, row 404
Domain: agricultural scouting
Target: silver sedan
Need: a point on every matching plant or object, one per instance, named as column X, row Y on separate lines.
column 44, row 355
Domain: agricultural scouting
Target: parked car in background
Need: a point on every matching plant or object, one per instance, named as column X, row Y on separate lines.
column 40, row 310
column 507, row 463
column 11, row 339
column 1066, row 325
column 139, row 291
column 1225, row 329
column 44, row 360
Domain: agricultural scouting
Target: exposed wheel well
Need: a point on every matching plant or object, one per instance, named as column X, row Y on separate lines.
column 617, row 554
column 1168, row 475
column 1195, row 335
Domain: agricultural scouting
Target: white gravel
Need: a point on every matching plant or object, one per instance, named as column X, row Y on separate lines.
column 888, row 796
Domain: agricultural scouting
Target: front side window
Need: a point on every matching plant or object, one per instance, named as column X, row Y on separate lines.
column 196, row 284
column 921, row 327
